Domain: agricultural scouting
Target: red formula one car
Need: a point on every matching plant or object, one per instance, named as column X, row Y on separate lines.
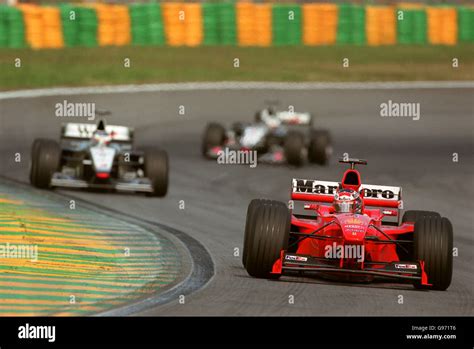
column 353, row 234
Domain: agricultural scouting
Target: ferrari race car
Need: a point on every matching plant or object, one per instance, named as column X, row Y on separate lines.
column 353, row 233
column 98, row 156
column 277, row 136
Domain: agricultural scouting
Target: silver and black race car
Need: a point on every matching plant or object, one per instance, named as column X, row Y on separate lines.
column 277, row 136
column 98, row 156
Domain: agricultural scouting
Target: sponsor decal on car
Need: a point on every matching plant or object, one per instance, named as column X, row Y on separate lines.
column 353, row 220
column 314, row 187
column 310, row 186
column 354, row 228
column 377, row 193
column 406, row 266
column 296, row 258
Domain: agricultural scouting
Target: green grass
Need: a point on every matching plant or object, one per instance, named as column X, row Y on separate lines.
column 98, row 66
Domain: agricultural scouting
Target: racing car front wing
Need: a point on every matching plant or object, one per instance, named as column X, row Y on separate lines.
column 410, row 271
column 137, row 185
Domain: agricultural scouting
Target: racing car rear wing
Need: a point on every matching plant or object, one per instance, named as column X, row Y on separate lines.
column 323, row 191
column 85, row 131
column 288, row 117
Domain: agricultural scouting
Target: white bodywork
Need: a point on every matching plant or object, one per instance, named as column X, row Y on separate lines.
column 292, row 117
column 102, row 158
column 285, row 117
column 252, row 135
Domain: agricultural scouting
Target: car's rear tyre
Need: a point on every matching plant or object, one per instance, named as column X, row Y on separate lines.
column 156, row 169
column 433, row 244
column 414, row 215
column 214, row 136
column 294, row 148
column 266, row 233
column 45, row 160
column 320, row 149
column 258, row 116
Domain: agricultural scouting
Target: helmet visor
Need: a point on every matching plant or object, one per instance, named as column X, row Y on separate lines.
column 344, row 206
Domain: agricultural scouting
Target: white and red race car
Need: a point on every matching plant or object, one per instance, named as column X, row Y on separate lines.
column 98, row 156
column 276, row 136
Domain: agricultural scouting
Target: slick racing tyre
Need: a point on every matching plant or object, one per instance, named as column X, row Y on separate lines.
column 249, row 223
column 33, row 155
column 45, row 160
column 214, row 136
column 156, row 169
column 258, row 116
column 413, row 216
column 433, row 244
column 320, row 149
column 294, row 148
column 266, row 233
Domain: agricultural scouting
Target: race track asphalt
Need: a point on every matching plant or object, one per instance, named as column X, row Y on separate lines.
column 416, row 155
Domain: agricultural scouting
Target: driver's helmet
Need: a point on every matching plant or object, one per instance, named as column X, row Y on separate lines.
column 100, row 135
column 347, row 201
column 270, row 118
column 271, row 110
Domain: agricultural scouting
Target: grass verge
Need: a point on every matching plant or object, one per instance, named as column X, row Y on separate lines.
column 98, row 66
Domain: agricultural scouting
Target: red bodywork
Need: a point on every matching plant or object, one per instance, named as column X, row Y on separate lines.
column 349, row 245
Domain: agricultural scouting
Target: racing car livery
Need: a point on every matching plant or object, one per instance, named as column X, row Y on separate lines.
column 98, row 156
column 353, row 233
column 277, row 136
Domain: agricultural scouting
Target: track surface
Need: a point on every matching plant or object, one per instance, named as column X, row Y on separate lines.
column 416, row 155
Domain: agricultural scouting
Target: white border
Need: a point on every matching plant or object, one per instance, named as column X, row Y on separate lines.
column 235, row 85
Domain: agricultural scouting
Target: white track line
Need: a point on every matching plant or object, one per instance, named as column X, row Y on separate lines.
column 235, row 85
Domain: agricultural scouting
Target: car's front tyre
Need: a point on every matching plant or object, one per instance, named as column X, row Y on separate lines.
column 433, row 244
column 156, row 170
column 45, row 160
column 414, row 215
column 266, row 233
